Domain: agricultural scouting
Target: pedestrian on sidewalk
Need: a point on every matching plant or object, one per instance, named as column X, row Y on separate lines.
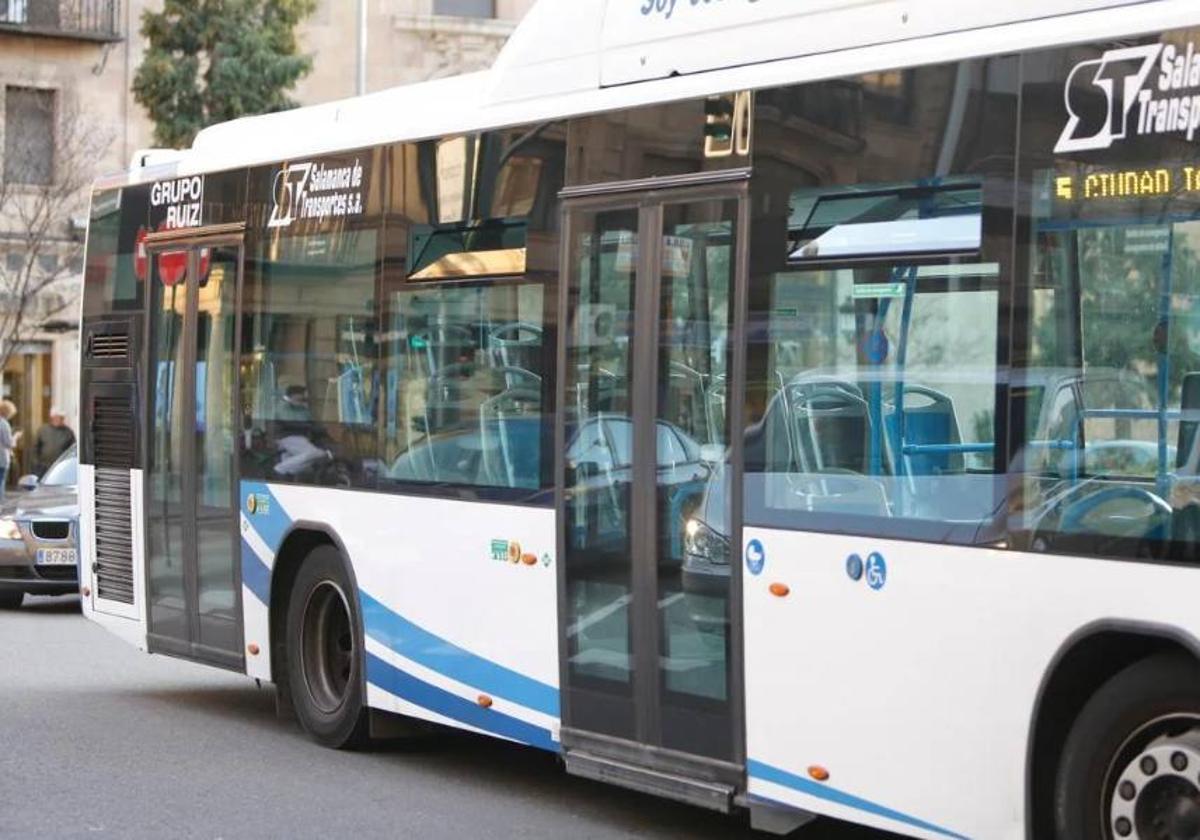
column 8, row 441
column 53, row 439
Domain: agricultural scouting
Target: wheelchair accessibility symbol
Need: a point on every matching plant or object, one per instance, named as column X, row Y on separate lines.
column 876, row 571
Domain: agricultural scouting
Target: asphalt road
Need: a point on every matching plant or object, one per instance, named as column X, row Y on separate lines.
column 98, row 740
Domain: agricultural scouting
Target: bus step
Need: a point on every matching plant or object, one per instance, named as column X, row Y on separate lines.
column 711, row 795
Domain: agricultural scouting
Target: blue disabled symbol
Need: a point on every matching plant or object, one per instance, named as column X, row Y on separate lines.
column 756, row 557
column 876, row 571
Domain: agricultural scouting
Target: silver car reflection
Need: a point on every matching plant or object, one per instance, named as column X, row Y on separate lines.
column 39, row 535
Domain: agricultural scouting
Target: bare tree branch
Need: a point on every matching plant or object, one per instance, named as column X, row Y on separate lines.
column 51, row 150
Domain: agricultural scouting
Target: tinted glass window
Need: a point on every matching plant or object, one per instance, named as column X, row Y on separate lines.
column 465, row 384
column 470, row 270
column 114, row 273
column 678, row 138
column 876, row 358
column 1112, row 298
column 308, row 362
column 310, row 326
column 882, row 397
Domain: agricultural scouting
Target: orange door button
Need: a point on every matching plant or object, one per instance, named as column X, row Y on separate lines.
column 780, row 590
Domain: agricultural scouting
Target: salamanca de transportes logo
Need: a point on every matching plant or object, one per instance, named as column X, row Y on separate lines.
column 312, row 190
column 1150, row 90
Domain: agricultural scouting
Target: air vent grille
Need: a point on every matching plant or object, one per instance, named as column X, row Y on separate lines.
column 109, row 346
column 114, row 536
column 112, row 432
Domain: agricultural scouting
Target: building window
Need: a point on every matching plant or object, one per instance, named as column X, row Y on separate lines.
column 28, row 122
column 465, row 8
column 14, row 11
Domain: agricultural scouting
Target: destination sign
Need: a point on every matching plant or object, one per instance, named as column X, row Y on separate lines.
column 1131, row 183
column 667, row 8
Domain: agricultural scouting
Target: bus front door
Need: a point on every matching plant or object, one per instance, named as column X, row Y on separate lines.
column 649, row 631
column 193, row 581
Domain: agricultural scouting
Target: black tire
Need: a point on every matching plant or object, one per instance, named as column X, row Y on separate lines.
column 11, row 600
column 1154, row 697
column 324, row 652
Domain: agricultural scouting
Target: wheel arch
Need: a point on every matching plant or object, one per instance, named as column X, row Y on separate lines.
column 1088, row 658
column 300, row 539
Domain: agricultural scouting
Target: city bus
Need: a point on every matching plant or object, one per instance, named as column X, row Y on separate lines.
column 781, row 408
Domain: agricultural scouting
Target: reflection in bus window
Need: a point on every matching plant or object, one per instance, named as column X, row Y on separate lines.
column 1109, row 467
column 879, row 378
column 464, row 386
column 110, row 275
column 308, row 362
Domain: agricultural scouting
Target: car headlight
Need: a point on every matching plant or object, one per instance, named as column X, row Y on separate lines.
column 9, row 529
column 703, row 543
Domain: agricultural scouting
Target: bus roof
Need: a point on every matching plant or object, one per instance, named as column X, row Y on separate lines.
column 574, row 57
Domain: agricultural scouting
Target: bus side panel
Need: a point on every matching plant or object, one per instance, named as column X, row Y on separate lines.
column 915, row 684
column 127, row 621
column 459, row 601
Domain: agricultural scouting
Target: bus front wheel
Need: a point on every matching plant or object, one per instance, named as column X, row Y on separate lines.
column 325, row 652
column 1131, row 764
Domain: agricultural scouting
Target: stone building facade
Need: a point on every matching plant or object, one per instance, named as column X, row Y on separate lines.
column 408, row 41
column 65, row 68
column 75, row 61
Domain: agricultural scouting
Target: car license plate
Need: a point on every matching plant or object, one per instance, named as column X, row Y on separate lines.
column 56, row 557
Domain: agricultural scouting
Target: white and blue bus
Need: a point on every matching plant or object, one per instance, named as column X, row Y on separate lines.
column 772, row 406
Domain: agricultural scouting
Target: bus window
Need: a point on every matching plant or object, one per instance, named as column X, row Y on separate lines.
column 308, row 360
column 111, row 280
column 880, row 375
column 1115, row 333
column 1107, row 381
column 464, row 385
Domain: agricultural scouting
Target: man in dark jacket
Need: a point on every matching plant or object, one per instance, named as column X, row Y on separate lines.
column 53, row 439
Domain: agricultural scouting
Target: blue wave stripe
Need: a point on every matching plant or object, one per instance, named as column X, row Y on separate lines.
column 415, row 643
column 270, row 526
column 768, row 773
column 391, row 679
column 255, row 573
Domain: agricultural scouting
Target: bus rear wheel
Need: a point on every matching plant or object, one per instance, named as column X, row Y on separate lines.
column 1131, row 765
column 325, row 652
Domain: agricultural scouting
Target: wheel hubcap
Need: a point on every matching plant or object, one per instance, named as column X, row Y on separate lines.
column 327, row 646
column 1157, row 794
